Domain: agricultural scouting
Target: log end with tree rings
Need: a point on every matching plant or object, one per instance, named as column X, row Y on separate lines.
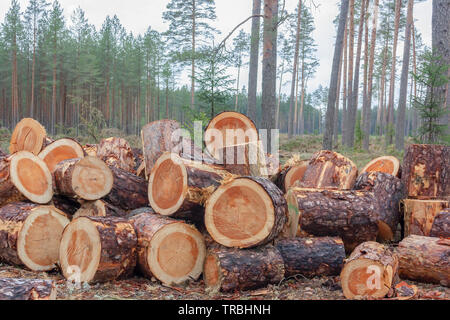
column 386, row 164
column 294, row 175
column 245, row 212
column 91, row 178
column 60, row 150
column 31, row 176
column 240, row 128
column 28, row 135
column 369, row 272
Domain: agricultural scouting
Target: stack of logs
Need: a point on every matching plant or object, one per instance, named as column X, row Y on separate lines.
column 174, row 211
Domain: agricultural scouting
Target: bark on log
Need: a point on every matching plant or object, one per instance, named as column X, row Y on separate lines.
column 87, row 178
column 371, row 271
column 59, row 150
column 169, row 250
column 98, row 249
column 99, row 208
column 28, row 135
column 441, row 225
column 24, row 176
column 232, row 269
column 137, row 211
column 65, row 204
column 246, row 212
column 138, row 160
column 27, row 289
column 386, row 164
column 128, row 191
column 426, row 171
column 90, row 149
column 177, row 186
column 424, row 259
column 30, row 235
column 291, row 173
column 328, row 169
column 116, row 152
column 312, row 256
column 419, row 215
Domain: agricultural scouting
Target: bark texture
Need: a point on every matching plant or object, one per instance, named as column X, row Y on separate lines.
column 116, row 152
column 419, row 215
column 27, row 289
column 441, row 225
column 8, row 192
column 65, row 204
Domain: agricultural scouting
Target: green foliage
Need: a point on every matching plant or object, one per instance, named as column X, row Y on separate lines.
column 191, row 116
column 359, row 133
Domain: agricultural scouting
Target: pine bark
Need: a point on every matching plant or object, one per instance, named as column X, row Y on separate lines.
column 254, row 57
column 27, row 289
column 441, row 225
column 419, row 215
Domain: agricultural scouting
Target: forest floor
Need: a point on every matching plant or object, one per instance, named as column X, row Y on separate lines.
column 294, row 288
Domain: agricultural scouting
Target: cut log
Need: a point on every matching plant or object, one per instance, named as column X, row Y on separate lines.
column 227, row 129
column 386, row 164
column 59, row 150
column 24, row 176
column 28, row 135
column 27, row 289
column 140, row 171
column 87, row 178
column 246, row 212
column 291, row 173
column 178, row 185
column 99, row 208
column 138, row 160
column 98, row 249
column 169, row 250
column 419, row 215
column 90, row 149
column 137, row 211
column 441, row 225
column 30, row 235
column 312, row 256
column 426, row 171
column 424, row 259
column 371, row 271
column 232, row 269
column 117, row 152
column 128, row 192
column 273, row 165
column 65, row 204
column 328, row 169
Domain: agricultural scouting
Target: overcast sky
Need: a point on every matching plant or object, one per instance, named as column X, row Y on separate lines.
column 137, row 15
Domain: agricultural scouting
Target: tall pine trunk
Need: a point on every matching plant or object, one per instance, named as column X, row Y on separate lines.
column 344, row 82
column 254, row 57
column 351, row 43
column 192, row 58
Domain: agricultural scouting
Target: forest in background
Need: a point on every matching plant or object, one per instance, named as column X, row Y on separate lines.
column 71, row 76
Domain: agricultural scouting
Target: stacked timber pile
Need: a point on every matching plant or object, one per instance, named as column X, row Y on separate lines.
column 175, row 211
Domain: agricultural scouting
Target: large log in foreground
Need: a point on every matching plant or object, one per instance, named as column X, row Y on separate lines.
column 117, row 152
column 328, row 169
column 24, row 176
column 426, row 171
column 246, row 212
column 441, row 225
column 28, row 135
column 59, row 150
column 178, row 185
column 27, row 289
column 369, row 272
column 30, row 235
column 169, row 250
column 419, row 215
column 312, row 256
column 424, row 259
column 98, row 249
column 232, row 269
column 87, row 178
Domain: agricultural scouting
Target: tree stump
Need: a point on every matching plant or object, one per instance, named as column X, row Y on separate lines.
column 424, row 259
column 385, row 164
column 419, row 215
column 246, row 212
column 232, row 269
column 27, row 289
column 370, row 272
column 441, row 225
column 87, row 178
column 328, row 169
column 116, row 152
column 30, row 235
column 312, row 256
column 28, row 135
column 24, row 176
column 59, row 150
column 426, row 171
column 98, row 249
column 169, row 250
column 99, row 208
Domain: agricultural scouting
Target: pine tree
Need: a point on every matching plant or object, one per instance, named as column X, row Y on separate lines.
column 240, row 51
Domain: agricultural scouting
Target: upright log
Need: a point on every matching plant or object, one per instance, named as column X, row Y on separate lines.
column 98, row 249
column 28, row 135
column 424, row 259
column 87, row 178
column 419, row 215
column 232, row 269
column 370, row 272
column 328, row 169
column 27, row 289
column 441, row 225
column 59, row 150
column 116, row 152
column 30, row 235
column 169, row 250
column 322, row 256
column 426, row 171
column 246, row 212
column 24, row 176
